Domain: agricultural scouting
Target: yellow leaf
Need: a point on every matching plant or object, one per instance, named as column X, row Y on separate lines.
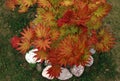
column 67, row 2
column 42, row 44
column 27, row 33
column 44, row 3
column 47, row 17
column 106, row 41
column 41, row 55
column 42, row 31
column 102, row 10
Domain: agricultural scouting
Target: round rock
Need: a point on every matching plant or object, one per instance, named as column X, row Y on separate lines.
column 77, row 70
column 65, row 74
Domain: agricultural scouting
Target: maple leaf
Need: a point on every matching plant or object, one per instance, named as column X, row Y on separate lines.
column 44, row 3
column 68, row 14
column 71, row 48
column 102, row 10
column 82, row 15
column 14, row 41
column 93, row 38
column 53, row 56
column 67, row 3
column 28, row 3
column 41, row 55
column 48, row 16
column 11, row 4
column 66, row 19
column 106, row 41
column 63, row 62
column 74, row 49
column 72, row 61
column 103, row 1
column 66, row 46
column 37, row 20
column 27, row 33
column 24, row 46
column 39, row 16
column 94, row 24
column 42, row 44
column 83, row 41
column 84, row 58
column 25, row 4
column 23, row 9
column 98, row 1
column 54, row 71
column 54, row 34
column 92, row 6
column 61, row 22
column 80, row 3
column 42, row 32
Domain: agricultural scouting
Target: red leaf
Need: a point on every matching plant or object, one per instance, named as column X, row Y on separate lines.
column 66, row 19
column 14, row 41
column 54, row 71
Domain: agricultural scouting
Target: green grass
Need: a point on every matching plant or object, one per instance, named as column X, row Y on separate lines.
column 13, row 66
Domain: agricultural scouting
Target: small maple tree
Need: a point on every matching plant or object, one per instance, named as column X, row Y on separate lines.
column 64, row 31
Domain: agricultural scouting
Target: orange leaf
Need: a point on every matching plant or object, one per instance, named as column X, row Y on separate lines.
column 11, row 4
column 41, row 55
column 42, row 31
column 67, row 2
column 27, row 33
column 24, row 46
column 106, row 41
column 102, row 10
column 42, row 44
column 84, row 58
column 44, row 3
column 54, row 34
column 82, row 15
column 71, row 48
column 48, row 16
column 54, row 71
column 23, row 9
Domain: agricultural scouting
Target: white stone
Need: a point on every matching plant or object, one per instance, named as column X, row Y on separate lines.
column 77, row 70
column 90, row 63
column 92, row 51
column 45, row 72
column 47, row 62
column 30, row 56
column 65, row 74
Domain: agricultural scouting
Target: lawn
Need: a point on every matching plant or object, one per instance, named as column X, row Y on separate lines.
column 13, row 66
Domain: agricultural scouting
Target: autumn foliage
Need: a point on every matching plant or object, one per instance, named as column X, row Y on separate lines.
column 64, row 31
